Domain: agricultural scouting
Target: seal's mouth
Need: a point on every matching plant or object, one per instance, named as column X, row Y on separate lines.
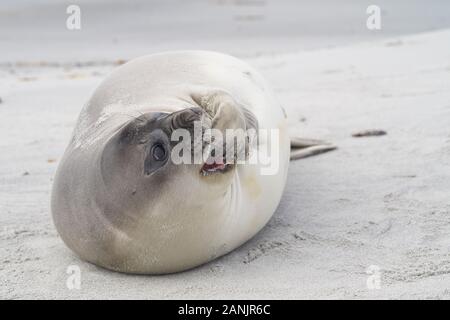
column 213, row 167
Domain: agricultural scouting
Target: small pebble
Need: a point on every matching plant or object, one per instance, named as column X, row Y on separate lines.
column 369, row 133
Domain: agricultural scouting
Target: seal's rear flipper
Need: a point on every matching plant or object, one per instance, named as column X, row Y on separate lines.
column 302, row 148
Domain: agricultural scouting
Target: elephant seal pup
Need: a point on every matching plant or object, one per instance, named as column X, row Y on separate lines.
column 120, row 202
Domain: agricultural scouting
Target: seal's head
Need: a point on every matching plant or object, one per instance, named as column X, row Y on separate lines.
column 144, row 155
column 197, row 146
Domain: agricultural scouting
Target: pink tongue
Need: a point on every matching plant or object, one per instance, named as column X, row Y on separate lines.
column 213, row 166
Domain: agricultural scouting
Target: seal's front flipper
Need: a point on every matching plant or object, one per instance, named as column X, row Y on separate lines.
column 302, row 148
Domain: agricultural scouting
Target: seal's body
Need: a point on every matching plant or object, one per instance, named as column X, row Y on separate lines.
column 118, row 201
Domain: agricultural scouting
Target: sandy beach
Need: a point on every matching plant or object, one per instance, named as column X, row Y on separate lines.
column 377, row 204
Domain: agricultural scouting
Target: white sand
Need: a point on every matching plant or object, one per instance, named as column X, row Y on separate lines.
column 380, row 201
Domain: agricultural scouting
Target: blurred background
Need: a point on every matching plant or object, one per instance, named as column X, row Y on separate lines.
column 36, row 30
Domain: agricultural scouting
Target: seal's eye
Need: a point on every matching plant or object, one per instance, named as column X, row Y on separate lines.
column 158, row 152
